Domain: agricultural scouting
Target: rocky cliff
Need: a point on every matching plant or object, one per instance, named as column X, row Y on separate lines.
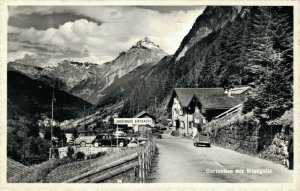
column 88, row 80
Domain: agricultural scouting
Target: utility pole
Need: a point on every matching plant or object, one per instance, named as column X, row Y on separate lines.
column 155, row 102
column 117, row 136
column 84, row 117
column 117, row 131
column 51, row 125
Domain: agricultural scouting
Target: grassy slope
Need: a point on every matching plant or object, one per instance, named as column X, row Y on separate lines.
column 59, row 170
column 67, row 171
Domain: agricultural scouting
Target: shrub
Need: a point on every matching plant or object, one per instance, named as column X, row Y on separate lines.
column 175, row 133
column 80, row 155
column 70, row 152
column 97, row 155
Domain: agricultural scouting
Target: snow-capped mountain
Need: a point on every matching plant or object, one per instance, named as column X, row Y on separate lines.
column 88, row 80
column 154, row 84
column 143, row 52
column 146, row 43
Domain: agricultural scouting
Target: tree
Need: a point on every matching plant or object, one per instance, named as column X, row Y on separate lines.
column 274, row 44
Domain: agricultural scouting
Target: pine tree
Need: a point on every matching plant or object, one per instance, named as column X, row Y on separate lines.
column 274, row 48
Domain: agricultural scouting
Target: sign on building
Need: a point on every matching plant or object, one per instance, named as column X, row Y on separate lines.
column 130, row 121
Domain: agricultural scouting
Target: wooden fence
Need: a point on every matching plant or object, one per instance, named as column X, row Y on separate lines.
column 14, row 167
column 139, row 163
column 233, row 110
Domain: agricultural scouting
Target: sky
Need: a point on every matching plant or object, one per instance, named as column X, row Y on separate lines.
column 45, row 35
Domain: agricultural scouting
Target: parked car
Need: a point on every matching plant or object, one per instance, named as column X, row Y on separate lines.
column 109, row 140
column 119, row 134
column 142, row 141
column 85, row 137
column 202, row 138
column 133, row 143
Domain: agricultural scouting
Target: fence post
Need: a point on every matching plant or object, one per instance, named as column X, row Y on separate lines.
column 151, row 154
column 149, row 157
column 140, row 167
column 143, row 166
column 147, row 168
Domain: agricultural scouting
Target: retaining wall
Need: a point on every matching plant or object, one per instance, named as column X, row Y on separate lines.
column 241, row 134
column 246, row 134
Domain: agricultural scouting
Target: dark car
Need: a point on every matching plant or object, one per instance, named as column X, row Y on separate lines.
column 110, row 140
column 202, row 139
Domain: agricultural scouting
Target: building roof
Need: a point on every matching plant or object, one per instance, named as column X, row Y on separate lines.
column 239, row 89
column 210, row 98
column 14, row 167
column 144, row 113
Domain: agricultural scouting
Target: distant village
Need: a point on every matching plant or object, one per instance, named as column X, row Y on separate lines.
column 189, row 108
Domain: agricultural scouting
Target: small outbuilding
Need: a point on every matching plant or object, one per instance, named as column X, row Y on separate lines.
column 143, row 128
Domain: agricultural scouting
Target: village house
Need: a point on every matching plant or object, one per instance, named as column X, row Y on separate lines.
column 143, row 128
column 193, row 107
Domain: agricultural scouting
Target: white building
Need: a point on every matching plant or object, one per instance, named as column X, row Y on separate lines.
column 193, row 107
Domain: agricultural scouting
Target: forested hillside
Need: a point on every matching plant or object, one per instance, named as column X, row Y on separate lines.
column 29, row 101
column 31, row 98
column 253, row 45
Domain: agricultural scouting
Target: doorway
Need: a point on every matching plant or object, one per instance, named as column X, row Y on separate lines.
column 177, row 124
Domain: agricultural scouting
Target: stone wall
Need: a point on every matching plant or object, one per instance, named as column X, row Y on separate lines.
column 240, row 133
column 276, row 150
column 246, row 134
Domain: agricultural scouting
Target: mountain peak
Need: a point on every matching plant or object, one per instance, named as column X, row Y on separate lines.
column 146, row 43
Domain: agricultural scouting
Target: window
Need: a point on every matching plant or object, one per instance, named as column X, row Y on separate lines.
column 180, row 111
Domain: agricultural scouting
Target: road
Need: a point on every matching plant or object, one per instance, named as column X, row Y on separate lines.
column 178, row 161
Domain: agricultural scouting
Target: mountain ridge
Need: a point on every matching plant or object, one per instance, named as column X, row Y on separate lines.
column 30, row 97
column 224, row 56
column 172, row 67
column 88, row 80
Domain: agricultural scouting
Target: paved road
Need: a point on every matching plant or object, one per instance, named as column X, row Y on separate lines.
column 178, row 161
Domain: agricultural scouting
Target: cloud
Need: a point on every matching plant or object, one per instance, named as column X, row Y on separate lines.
column 53, row 20
column 20, row 55
column 13, row 30
column 121, row 27
column 80, row 35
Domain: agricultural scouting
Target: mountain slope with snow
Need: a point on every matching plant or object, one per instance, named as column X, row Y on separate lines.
column 88, row 80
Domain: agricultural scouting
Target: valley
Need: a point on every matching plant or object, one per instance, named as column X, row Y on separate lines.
column 230, row 80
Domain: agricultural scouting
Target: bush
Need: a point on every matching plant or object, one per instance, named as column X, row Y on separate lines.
column 97, row 155
column 23, row 135
column 80, row 155
column 175, row 133
column 70, row 152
